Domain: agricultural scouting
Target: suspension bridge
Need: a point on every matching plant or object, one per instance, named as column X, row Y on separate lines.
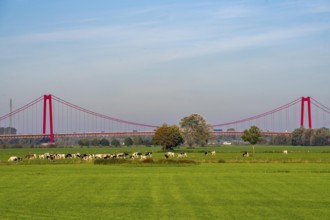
column 52, row 117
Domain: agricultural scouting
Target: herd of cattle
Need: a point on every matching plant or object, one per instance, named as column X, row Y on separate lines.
column 50, row 156
column 135, row 155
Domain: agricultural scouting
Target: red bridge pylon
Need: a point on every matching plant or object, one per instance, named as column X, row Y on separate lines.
column 51, row 132
column 308, row 100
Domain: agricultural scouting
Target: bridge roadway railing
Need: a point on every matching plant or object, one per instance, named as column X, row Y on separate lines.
column 121, row 134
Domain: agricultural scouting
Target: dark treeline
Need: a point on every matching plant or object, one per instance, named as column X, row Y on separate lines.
column 303, row 137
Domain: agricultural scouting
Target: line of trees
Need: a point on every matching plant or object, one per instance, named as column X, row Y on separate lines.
column 304, row 137
column 128, row 141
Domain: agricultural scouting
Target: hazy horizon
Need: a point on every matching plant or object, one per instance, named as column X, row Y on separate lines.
column 156, row 62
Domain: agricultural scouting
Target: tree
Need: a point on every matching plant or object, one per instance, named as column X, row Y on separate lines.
column 168, row 136
column 306, row 137
column 296, row 136
column 320, row 137
column 252, row 135
column 195, row 130
column 84, row 142
column 95, row 142
column 137, row 140
column 280, row 140
column 104, row 142
column 115, row 143
column 128, row 141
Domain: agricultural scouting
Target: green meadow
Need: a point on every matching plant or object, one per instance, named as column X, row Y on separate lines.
column 267, row 185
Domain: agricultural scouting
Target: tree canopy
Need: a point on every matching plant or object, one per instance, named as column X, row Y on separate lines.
column 168, row 136
column 128, row 141
column 115, row 143
column 195, row 130
column 252, row 135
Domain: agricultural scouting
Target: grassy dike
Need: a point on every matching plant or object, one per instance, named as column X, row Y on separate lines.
column 158, row 191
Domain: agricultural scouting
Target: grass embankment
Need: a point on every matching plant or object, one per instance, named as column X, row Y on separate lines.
column 204, row 191
column 267, row 185
column 232, row 154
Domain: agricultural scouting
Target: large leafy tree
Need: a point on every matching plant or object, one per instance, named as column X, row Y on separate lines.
column 115, row 143
column 104, row 142
column 195, row 130
column 168, row 136
column 296, row 136
column 128, row 141
column 252, row 135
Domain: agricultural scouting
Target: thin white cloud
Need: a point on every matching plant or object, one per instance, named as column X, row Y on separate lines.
column 231, row 12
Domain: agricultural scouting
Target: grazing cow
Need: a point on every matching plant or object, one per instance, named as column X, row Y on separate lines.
column 170, row 154
column 107, row 156
column 113, row 156
column 245, row 154
column 59, row 156
column 122, row 155
column 87, row 157
column 136, row 155
column 51, row 157
column 31, row 156
column 213, row 152
column 98, row 156
column 285, row 152
column 14, row 158
column 68, row 156
column 149, row 154
column 206, row 153
column 182, row 154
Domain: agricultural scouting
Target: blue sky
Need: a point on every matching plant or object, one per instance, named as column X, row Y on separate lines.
column 158, row 61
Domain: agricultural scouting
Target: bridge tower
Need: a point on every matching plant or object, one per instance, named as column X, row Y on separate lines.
column 308, row 100
column 51, row 133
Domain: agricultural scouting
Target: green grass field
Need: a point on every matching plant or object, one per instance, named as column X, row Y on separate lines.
column 267, row 185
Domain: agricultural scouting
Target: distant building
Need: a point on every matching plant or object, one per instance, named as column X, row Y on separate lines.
column 8, row 130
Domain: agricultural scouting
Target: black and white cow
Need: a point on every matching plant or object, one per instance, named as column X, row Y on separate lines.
column 245, row 154
column 149, row 154
column 170, row 154
column 14, row 158
column 136, row 155
column 69, row 156
column 31, row 156
column 182, row 154
column 122, row 155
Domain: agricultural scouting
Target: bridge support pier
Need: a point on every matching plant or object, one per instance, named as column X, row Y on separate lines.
column 51, row 132
column 302, row 116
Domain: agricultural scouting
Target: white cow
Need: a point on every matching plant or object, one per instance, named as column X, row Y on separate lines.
column 136, row 155
column 14, row 158
column 59, row 156
column 245, row 154
column 285, row 152
column 213, row 152
column 181, row 155
column 170, row 154
column 99, row 156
